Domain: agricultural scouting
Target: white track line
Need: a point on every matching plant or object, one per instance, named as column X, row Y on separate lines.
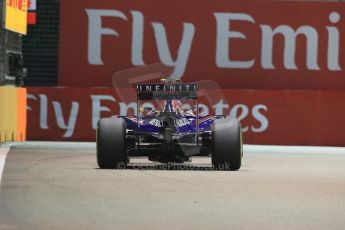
column 248, row 149
column 277, row 149
column 3, row 154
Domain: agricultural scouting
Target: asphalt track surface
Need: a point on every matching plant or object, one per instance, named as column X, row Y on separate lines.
column 59, row 186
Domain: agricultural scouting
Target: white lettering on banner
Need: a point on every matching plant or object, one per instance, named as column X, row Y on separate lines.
column 224, row 35
column 220, row 106
column 124, row 108
column 31, row 97
column 69, row 127
column 240, row 111
column 43, row 114
column 260, row 117
column 138, row 38
column 43, row 109
column 97, row 108
column 183, row 51
column 333, row 43
column 96, row 31
column 290, row 46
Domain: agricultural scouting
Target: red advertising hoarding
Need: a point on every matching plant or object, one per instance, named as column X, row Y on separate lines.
column 267, row 117
column 239, row 44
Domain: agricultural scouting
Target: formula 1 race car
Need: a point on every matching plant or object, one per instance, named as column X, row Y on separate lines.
column 170, row 134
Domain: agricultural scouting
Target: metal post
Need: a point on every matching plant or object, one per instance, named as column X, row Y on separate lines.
column 138, row 117
column 197, row 120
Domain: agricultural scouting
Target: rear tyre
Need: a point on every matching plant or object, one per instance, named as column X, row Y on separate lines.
column 111, row 148
column 227, row 144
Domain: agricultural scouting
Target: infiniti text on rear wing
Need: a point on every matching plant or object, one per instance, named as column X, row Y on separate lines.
column 170, row 91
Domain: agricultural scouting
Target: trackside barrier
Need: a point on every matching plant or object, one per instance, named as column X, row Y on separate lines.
column 12, row 114
column 274, row 117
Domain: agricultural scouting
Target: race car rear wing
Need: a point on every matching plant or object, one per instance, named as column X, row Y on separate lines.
column 170, row 91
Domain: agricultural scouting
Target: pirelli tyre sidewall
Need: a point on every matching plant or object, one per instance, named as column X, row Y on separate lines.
column 227, row 144
column 110, row 143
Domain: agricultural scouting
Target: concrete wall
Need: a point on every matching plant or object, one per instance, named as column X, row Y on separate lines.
column 12, row 114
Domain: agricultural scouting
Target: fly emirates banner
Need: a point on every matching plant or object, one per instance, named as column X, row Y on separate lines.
column 279, row 64
column 239, row 44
